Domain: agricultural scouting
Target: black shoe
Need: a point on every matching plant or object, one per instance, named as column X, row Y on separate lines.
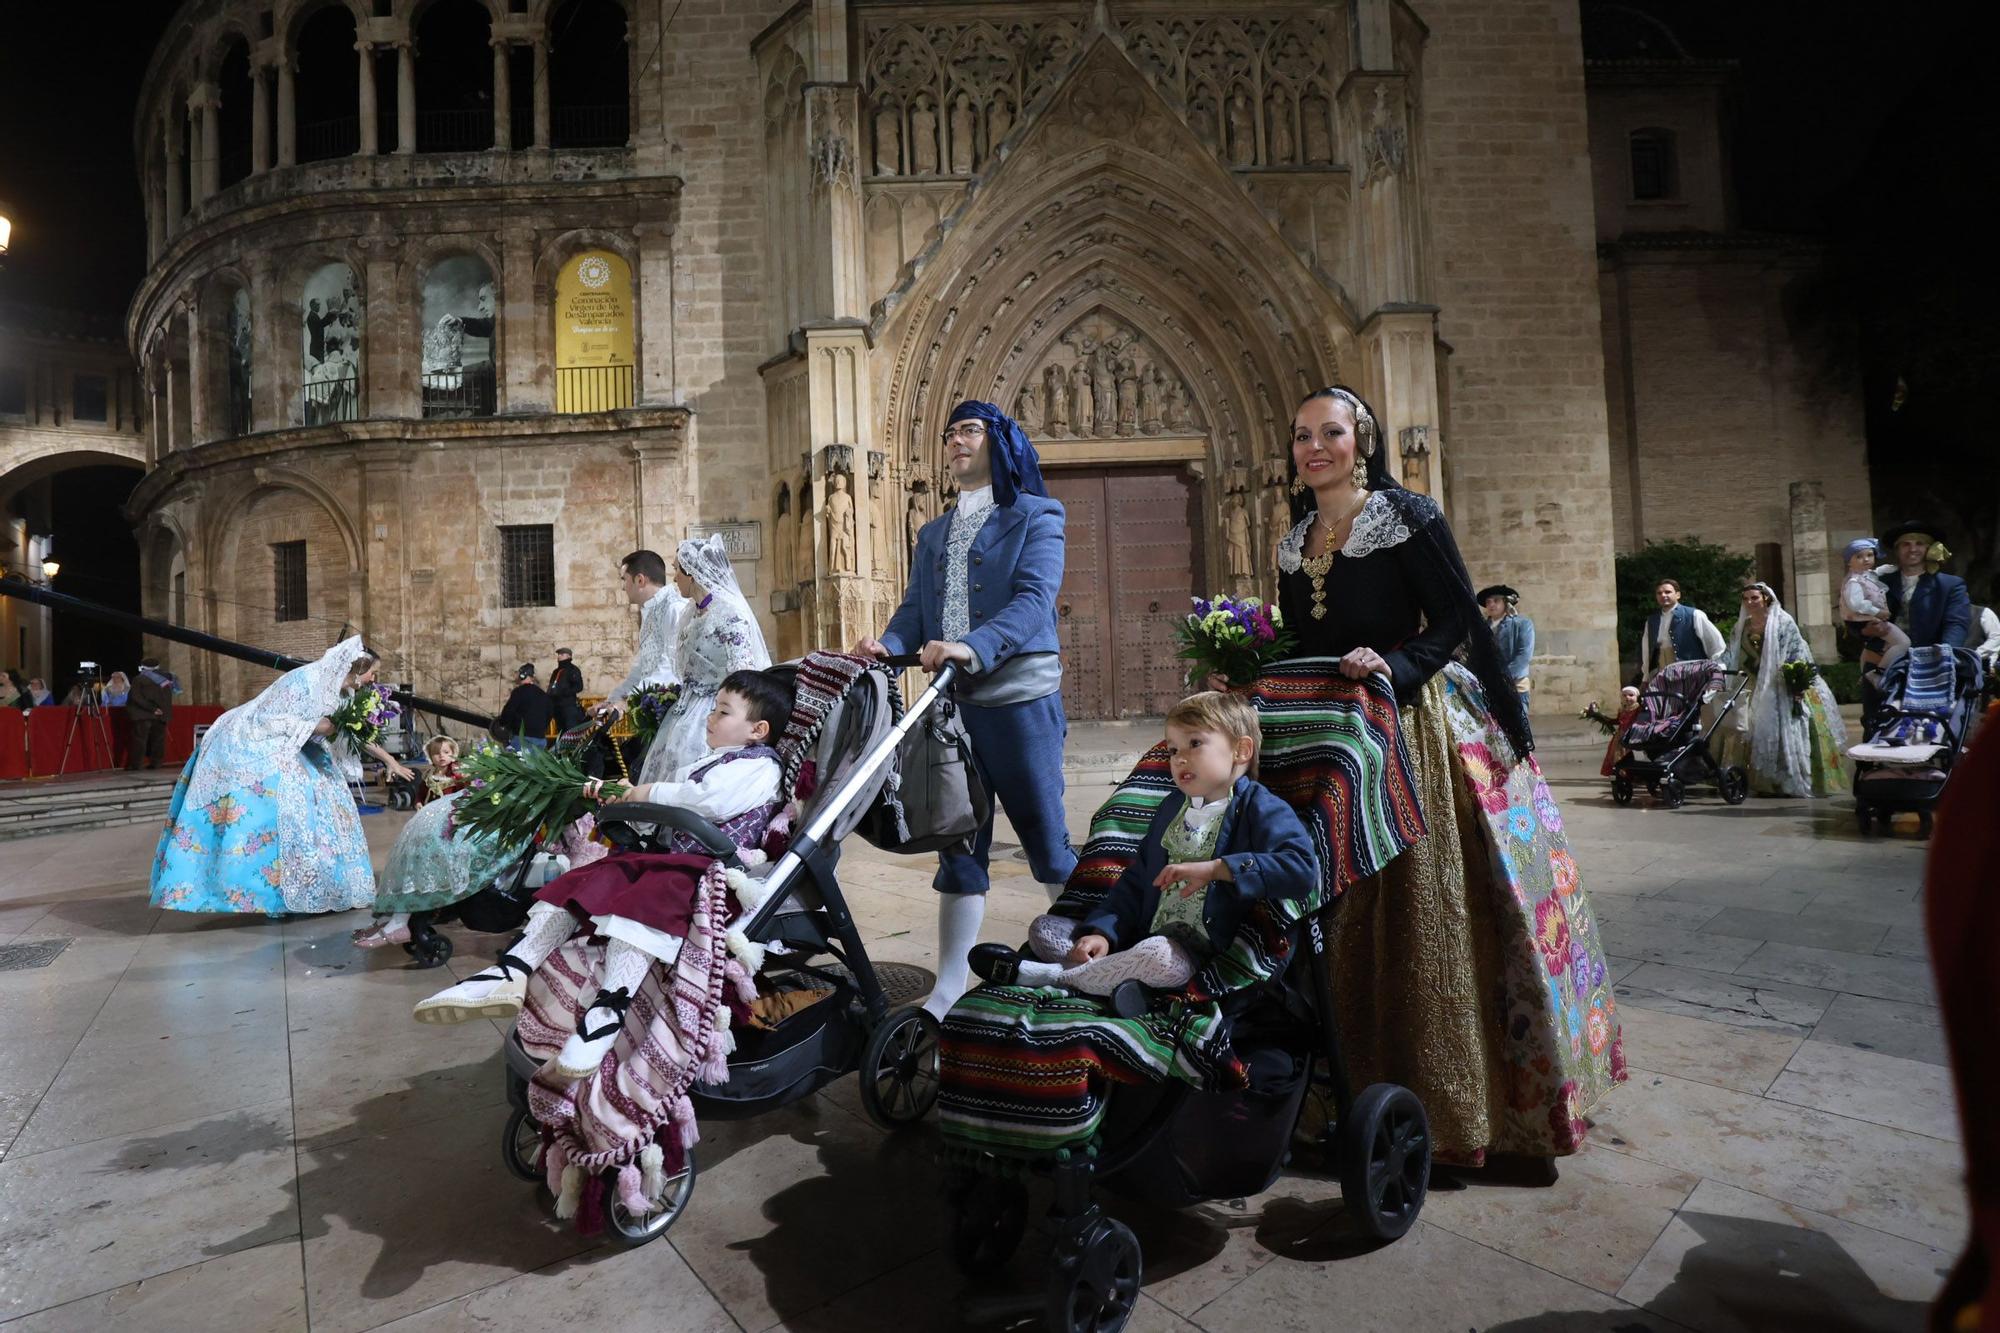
column 995, row 963
column 1130, row 1000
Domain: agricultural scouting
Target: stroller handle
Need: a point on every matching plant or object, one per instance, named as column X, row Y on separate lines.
column 712, row 840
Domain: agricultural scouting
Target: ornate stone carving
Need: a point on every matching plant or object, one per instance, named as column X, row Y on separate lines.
column 923, row 138
column 1236, row 540
column 840, row 531
column 1385, row 144
column 961, row 135
column 888, row 140
column 1242, row 131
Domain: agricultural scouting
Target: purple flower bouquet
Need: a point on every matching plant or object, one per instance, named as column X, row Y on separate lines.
column 1231, row 636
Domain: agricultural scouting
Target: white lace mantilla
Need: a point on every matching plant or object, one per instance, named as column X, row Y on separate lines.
column 708, row 644
column 1379, row 526
column 974, row 508
column 653, row 663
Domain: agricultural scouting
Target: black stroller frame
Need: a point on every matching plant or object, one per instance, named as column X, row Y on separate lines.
column 1878, row 796
column 870, row 1025
column 1684, row 755
column 1378, row 1144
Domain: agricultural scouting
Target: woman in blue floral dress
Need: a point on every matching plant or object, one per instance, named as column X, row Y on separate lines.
column 261, row 819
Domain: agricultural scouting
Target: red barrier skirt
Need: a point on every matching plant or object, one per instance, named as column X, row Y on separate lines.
column 13, row 744
column 67, row 741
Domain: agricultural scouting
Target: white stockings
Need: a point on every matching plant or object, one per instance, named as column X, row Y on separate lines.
column 1155, row 961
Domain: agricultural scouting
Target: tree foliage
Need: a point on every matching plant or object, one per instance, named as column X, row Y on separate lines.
column 1711, row 578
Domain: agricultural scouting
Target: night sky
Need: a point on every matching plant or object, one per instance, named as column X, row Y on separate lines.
column 1869, row 125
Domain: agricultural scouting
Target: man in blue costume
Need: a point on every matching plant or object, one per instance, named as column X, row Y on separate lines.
column 1513, row 632
column 1932, row 607
column 1675, row 633
column 982, row 594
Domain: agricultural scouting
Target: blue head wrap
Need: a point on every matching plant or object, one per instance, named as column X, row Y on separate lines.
column 1860, row 544
column 1017, row 468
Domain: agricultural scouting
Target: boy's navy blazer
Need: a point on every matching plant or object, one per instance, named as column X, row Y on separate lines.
column 1015, row 568
column 1261, row 838
column 1940, row 609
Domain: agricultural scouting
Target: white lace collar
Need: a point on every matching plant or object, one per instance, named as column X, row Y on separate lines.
column 1379, row 526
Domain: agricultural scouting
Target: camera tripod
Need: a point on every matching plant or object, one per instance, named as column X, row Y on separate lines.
column 91, row 709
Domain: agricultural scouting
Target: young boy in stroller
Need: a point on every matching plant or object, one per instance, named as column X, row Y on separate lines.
column 642, row 903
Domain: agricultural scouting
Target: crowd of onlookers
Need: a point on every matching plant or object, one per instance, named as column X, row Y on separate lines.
column 147, row 697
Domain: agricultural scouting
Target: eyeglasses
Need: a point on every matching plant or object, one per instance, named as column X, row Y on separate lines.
column 971, row 431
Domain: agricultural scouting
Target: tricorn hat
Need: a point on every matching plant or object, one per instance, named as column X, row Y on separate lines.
column 1497, row 590
column 1908, row 526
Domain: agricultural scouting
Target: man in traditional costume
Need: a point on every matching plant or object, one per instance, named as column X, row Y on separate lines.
column 982, row 595
column 1932, row 607
column 1675, row 633
column 1513, row 632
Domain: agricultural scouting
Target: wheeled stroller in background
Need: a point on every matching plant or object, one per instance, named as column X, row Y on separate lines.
column 1929, row 702
column 1198, row 1099
column 1669, row 746
column 834, row 1010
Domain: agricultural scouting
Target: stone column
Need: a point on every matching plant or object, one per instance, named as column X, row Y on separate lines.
column 371, row 137
column 1399, row 362
column 503, row 96
column 659, row 481
column 387, row 340
column 521, row 386
column 655, row 316
column 260, row 120
column 176, row 201
column 205, row 103
column 288, row 113
column 406, row 97
column 274, row 340
column 1812, row 569
column 201, row 420
column 841, row 415
column 383, row 613
column 1386, row 207
column 541, row 93
column 832, row 112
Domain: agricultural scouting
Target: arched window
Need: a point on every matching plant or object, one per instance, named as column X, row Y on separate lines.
column 233, row 84
column 454, row 77
column 1655, row 167
column 588, row 75
column 332, row 323
column 328, row 96
column 459, row 338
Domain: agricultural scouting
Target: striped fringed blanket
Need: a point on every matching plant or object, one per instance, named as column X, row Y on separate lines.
column 1024, row 1071
column 633, row 1115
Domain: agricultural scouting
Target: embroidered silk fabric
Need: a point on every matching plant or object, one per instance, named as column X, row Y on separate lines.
column 434, row 864
column 1470, row 970
column 261, row 820
column 967, row 518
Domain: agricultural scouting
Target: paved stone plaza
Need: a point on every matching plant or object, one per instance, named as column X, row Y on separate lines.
column 223, row 1125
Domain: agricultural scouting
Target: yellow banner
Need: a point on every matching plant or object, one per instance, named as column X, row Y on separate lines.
column 594, row 360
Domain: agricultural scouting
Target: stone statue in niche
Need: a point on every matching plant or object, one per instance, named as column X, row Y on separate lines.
column 1028, row 407
column 1278, row 112
column 1152, row 407
column 961, row 135
column 1058, row 400
column 1205, row 127
column 913, row 522
column 1086, row 403
column 1178, row 415
column 785, row 535
column 888, row 140
column 840, row 534
column 999, row 120
column 1318, row 129
column 1104, row 390
column 1236, row 541
column 1128, row 395
column 1242, row 131
column 923, row 139
column 1386, row 144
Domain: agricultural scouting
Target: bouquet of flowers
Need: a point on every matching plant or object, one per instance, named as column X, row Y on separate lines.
column 647, row 708
column 1592, row 713
column 362, row 715
column 1231, row 636
column 513, row 796
column 1799, row 677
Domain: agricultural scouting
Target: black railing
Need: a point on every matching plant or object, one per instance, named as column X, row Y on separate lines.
column 460, row 393
column 454, row 131
column 322, row 139
column 333, row 399
column 593, row 388
column 589, row 126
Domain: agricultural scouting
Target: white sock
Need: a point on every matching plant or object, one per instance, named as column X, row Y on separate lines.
column 1039, row 974
column 959, row 915
column 625, row 965
column 1054, row 890
column 393, row 922
column 548, row 928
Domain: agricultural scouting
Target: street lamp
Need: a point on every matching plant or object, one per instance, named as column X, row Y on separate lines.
column 6, row 230
column 50, row 568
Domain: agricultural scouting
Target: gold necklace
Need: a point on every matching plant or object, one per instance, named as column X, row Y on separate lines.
column 1317, row 567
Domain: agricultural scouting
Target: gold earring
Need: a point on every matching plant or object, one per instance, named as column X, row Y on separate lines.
column 1360, row 473
column 1298, row 486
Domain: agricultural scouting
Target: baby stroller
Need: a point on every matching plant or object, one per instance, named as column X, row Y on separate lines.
column 1198, row 1099
column 856, row 1016
column 1669, row 747
column 501, row 905
column 1929, row 701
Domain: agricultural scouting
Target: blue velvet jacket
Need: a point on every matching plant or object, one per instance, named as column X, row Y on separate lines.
column 1016, row 567
column 1516, row 638
column 1940, row 609
column 1261, row 838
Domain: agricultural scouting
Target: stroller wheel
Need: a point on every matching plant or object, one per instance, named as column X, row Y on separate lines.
column 521, row 1146
column 1923, row 823
column 1672, row 792
column 427, row 947
column 987, row 1227
column 1095, row 1289
column 1864, row 815
column 1621, row 790
column 1385, row 1160
column 636, row 1231
column 1734, row 784
column 899, row 1069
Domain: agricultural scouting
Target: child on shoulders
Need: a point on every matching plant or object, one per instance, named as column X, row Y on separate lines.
column 642, row 903
column 1224, row 842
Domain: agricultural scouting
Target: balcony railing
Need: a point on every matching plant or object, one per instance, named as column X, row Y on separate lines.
column 589, row 126
column 468, row 392
column 334, row 399
column 340, row 137
column 454, row 131
column 593, row 388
